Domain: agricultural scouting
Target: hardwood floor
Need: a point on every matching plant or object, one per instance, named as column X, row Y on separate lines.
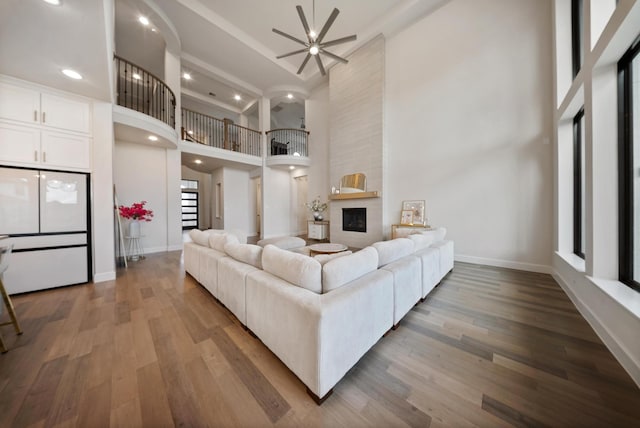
column 489, row 347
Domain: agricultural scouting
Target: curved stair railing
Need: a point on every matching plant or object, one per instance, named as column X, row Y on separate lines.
column 142, row 91
column 288, row 141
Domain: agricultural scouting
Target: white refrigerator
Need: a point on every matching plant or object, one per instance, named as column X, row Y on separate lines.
column 46, row 216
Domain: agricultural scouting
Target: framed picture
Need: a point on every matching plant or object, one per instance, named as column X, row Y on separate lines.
column 417, row 211
column 407, row 217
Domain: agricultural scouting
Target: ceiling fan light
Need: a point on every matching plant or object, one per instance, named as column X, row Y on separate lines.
column 314, row 49
column 312, row 35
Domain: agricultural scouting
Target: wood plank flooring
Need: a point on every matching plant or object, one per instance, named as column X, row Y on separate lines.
column 490, row 347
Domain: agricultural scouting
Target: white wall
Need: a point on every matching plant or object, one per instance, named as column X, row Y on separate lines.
column 289, row 115
column 237, row 213
column 467, row 123
column 276, row 191
column 140, row 173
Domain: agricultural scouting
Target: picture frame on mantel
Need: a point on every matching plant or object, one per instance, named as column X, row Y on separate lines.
column 417, row 211
column 406, row 219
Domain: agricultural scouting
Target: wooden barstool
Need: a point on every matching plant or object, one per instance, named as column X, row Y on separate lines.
column 5, row 253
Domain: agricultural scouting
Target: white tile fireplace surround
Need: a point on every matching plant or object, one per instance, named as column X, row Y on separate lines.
column 357, row 239
column 356, row 92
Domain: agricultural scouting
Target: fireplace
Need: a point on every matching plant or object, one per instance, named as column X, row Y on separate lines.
column 354, row 219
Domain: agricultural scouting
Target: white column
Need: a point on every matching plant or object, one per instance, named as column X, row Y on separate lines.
column 174, row 169
column 102, row 193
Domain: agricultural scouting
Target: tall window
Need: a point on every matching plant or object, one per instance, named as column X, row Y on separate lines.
column 576, row 35
column 189, row 204
column 579, row 179
column 629, row 166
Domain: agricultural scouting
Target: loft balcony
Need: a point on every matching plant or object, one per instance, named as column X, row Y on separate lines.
column 139, row 90
column 288, row 147
column 145, row 106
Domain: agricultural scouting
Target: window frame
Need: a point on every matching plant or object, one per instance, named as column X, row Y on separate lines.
column 625, row 167
column 578, row 196
column 576, row 35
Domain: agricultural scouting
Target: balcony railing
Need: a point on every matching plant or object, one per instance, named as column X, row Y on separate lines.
column 141, row 91
column 223, row 134
column 288, row 141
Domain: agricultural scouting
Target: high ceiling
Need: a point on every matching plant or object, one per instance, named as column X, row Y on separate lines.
column 227, row 46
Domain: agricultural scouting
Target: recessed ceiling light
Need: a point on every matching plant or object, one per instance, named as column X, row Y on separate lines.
column 54, row 2
column 136, row 76
column 144, row 20
column 290, row 96
column 296, row 154
column 186, row 76
column 153, row 30
column 198, row 161
column 292, row 167
column 72, row 74
column 237, row 97
column 152, row 138
column 190, row 132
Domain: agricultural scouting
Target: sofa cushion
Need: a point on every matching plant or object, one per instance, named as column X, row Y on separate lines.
column 437, row 234
column 295, row 268
column 199, row 237
column 246, row 253
column 218, row 241
column 240, row 234
column 283, row 242
column 389, row 251
column 324, row 258
column 421, row 241
column 342, row 270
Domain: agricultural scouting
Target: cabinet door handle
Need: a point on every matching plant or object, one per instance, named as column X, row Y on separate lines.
column 43, row 117
column 44, row 157
column 35, row 155
column 35, row 115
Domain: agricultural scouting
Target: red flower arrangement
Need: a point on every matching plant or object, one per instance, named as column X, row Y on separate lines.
column 137, row 211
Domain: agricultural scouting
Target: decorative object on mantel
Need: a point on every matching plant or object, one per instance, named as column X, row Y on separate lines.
column 136, row 213
column 317, row 208
column 413, row 213
column 314, row 46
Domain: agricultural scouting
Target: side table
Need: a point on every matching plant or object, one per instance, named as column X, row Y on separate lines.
column 134, row 248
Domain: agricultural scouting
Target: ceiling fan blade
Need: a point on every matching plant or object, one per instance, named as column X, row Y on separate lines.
column 334, row 56
column 338, row 41
column 292, row 53
column 306, row 60
column 320, row 66
column 305, row 24
column 283, row 34
column 332, row 17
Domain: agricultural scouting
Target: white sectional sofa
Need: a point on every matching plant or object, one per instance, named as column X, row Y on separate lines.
column 320, row 314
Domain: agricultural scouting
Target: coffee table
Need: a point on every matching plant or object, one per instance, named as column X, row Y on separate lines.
column 326, row 248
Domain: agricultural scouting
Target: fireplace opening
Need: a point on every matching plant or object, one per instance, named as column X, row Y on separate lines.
column 354, row 219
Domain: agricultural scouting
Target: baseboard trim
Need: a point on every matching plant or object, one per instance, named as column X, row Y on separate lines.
column 529, row 267
column 104, row 276
column 618, row 350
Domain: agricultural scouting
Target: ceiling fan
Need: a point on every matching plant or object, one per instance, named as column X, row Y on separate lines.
column 314, row 46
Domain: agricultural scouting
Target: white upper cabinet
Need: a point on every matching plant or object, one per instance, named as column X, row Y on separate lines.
column 44, row 128
column 19, row 103
column 65, row 113
column 35, row 107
